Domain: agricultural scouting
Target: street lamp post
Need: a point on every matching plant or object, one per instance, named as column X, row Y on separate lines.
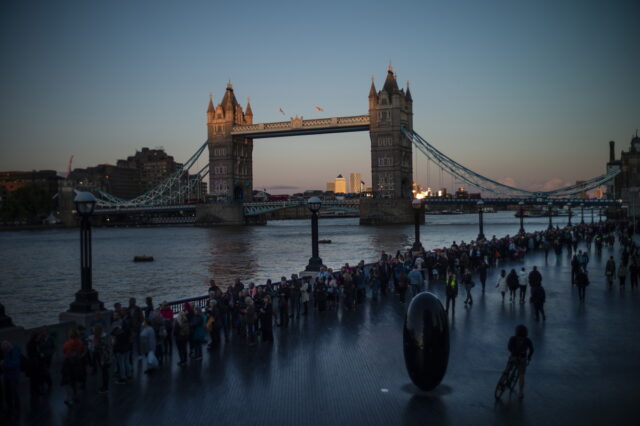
column 550, row 204
column 87, row 298
column 417, row 209
column 592, row 215
column 570, row 213
column 581, row 213
column 480, row 205
column 315, row 263
column 521, row 205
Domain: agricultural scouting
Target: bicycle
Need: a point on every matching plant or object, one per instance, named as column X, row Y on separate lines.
column 508, row 379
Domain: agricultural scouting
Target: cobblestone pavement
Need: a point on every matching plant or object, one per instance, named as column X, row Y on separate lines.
column 348, row 369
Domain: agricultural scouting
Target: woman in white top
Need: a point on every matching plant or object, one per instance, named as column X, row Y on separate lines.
column 502, row 283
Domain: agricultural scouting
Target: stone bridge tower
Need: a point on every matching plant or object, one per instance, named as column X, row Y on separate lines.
column 391, row 155
column 230, row 157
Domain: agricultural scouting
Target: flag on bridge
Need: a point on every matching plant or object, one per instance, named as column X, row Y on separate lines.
column 319, row 109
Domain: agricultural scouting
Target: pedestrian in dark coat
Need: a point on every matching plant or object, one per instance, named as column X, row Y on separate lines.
column 538, row 297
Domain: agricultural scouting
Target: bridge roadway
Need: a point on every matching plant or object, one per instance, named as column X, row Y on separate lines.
column 353, row 205
column 348, row 368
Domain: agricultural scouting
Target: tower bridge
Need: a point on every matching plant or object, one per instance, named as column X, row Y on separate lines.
column 230, row 135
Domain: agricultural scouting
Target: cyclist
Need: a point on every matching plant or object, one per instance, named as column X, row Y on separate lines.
column 521, row 349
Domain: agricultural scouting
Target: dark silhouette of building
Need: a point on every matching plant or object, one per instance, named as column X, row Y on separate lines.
column 626, row 185
column 122, row 182
column 153, row 166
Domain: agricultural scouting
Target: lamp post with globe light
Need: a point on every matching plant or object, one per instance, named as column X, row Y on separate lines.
column 521, row 205
column 550, row 211
column 86, row 298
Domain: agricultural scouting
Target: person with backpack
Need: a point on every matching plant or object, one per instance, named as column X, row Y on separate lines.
column 538, row 297
column 521, row 350
column 582, row 281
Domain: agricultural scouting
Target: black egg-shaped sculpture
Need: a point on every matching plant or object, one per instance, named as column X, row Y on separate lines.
column 426, row 341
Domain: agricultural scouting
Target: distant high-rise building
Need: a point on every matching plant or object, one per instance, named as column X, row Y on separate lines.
column 355, row 183
column 331, row 185
column 340, row 185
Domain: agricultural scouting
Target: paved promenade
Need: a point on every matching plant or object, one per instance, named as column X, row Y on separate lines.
column 348, row 369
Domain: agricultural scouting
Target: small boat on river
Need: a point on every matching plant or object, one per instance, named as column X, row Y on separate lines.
column 324, row 241
column 143, row 258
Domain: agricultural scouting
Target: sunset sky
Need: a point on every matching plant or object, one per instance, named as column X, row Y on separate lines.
column 526, row 92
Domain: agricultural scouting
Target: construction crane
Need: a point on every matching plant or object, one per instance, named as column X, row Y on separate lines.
column 69, row 166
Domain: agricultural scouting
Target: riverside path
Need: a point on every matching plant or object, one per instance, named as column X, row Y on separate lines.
column 348, row 368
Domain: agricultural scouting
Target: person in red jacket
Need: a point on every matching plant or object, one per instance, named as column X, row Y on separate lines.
column 73, row 351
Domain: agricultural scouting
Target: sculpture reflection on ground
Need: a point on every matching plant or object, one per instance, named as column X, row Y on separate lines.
column 426, row 341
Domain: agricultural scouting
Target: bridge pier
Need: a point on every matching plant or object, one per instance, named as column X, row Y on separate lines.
column 221, row 214
column 387, row 211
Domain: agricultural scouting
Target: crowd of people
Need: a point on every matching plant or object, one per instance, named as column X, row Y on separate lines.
column 146, row 337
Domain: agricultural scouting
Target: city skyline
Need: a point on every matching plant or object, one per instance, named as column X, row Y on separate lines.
column 546, row 87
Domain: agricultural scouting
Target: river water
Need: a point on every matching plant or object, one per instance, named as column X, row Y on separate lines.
column 40, row 270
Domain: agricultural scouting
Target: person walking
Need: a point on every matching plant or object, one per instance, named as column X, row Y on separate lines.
column 610, row 271
column 482, row 273
column 582, row 281
column 535, row 278
column 512, row 284
column 622, row 275
column 468, row 284
column 502, row 283
column 633, row 273
column 451, row 291
column 538, row 297
column 523, row 278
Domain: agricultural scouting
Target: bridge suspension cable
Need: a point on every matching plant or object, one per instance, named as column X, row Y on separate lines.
column 472, row 178
column 175, row 187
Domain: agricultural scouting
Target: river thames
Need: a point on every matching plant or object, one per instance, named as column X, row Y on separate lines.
column 40, row 270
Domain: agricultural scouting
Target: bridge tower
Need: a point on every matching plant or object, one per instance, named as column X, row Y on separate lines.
column 230, row 157
column 391, row 155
